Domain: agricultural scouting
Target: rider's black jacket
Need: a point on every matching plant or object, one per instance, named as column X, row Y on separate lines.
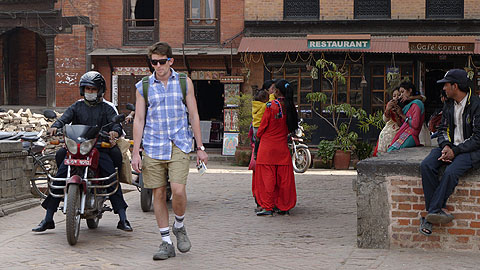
column 471, row 128
column 80, row 113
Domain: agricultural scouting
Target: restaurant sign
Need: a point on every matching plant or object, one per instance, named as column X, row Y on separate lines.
column 441, row 47
column 339, row 44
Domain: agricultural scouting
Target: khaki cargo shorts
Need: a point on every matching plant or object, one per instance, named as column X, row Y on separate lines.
column 155, row 171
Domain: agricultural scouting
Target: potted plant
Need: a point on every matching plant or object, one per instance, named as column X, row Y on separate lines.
column 345, row 139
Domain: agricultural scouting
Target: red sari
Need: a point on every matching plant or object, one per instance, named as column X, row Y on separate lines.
column 274, row 178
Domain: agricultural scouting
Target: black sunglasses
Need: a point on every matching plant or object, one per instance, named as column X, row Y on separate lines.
column 159, row 61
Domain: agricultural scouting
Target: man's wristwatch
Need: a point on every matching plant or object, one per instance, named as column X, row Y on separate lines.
column 201, row 148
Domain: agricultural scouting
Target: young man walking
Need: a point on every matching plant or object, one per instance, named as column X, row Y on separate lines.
column 459, row 148
column 162, row 119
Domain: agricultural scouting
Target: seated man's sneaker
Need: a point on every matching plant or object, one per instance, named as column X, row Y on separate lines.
column 165, row 251
column 183, row 243
column 44, row 225
column 124, row 226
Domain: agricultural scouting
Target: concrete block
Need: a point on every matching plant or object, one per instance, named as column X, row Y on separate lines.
column 8, row 146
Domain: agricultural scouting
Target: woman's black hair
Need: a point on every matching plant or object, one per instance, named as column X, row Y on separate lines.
column 290, row 110
column 267, row 84
column 409, row 85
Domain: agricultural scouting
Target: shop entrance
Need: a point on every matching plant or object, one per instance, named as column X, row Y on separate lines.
column 210, row 102
column 433, row 73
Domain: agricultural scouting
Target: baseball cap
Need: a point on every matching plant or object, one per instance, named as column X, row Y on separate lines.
column 458, row 76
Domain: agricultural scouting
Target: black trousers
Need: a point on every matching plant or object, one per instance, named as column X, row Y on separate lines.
column 107, row 167
column 437, row 191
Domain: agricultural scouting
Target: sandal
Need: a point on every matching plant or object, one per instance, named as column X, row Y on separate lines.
column 426, row 227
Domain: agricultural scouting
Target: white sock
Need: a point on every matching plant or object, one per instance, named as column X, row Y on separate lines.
column 165, row 232
column 178, row 221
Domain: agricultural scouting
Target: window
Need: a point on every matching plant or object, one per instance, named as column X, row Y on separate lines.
column 348, row 92
column 202, row 21
column 379, row 85
column 140, row 26
column 302, row 83
column 444, row 9
column 299, row 9
column 372, row 9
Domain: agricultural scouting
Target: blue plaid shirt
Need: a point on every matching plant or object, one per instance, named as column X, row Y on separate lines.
column 166, row 120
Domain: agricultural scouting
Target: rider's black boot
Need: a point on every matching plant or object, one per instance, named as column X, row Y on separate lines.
column 44, row 225
column 124, row 225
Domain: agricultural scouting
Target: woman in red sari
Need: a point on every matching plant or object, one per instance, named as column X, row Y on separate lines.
column 275, row 181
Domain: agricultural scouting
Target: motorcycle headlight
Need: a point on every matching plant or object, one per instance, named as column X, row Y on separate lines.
column 71, row 146
column 298, row 132
column 86, row 146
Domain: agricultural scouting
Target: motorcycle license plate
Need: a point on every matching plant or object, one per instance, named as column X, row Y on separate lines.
column 77, row 162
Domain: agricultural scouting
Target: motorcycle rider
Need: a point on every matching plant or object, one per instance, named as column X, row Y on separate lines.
column 91, row 111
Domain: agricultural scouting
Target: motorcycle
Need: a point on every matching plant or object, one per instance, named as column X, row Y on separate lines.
column 85, row 192
column 301, row 157
column 146, row 194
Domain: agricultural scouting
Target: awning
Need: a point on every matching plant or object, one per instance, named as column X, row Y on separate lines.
column 397, row 44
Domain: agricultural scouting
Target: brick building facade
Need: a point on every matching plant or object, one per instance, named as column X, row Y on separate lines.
column 415, row 38
column 46, row 45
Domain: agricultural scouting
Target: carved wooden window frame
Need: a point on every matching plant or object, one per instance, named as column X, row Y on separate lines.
column 129, row 32
column 386, row 15
column 448, row 12
column 203, row 32
column 287, row 14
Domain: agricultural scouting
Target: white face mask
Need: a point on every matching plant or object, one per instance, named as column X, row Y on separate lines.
column 90, row 96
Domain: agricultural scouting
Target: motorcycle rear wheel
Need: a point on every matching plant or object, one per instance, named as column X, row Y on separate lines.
column 302, row 163
column 145, row 196
column 73, row 214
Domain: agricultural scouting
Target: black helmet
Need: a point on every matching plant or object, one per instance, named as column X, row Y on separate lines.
column 95, row 79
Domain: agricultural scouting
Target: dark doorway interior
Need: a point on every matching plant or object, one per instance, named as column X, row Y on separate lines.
column 145, row 9
column 433, row 73
column 210, row 104
column 25, row 67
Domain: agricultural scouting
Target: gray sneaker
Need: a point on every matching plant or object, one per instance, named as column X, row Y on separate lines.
column 183, row 243
column 166, row 251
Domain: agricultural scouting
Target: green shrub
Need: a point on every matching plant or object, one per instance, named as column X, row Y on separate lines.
column 326, row 150
column 363, row 150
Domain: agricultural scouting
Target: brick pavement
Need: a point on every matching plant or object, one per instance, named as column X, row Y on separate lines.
column 225, row 233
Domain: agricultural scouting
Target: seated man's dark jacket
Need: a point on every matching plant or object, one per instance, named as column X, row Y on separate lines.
column 471, row 128
column 80, row 113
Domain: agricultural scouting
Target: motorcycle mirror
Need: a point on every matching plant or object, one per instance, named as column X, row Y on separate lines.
column 130, row 107
column 49, row 114
column 118, row 118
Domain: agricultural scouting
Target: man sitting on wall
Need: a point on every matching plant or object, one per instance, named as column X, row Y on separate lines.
column 459, row 148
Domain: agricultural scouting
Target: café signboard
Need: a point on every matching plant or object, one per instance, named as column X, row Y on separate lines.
column 441, row 47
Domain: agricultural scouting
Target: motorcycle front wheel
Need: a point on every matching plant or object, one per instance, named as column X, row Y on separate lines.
column 73, row 214
column 301, row 159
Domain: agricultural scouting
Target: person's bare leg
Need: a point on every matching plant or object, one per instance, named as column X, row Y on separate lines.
column 179, row 205
column 179, row 198
column 160, row 206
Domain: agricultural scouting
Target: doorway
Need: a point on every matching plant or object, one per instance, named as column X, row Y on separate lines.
column 210, row 102
column 433, row 73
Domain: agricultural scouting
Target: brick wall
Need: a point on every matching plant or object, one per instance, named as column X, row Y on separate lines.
column 231, row 19
column 69, row 65
column 471, row 9
column 263, row 10
column 407, row 201
column 408, row 9
column 336, row 9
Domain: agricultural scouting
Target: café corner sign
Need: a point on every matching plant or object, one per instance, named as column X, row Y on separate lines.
column 441, row 47
column 339, row 44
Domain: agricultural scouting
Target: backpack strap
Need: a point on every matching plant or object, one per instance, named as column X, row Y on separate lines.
column 146, row 85
column 182, row 77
